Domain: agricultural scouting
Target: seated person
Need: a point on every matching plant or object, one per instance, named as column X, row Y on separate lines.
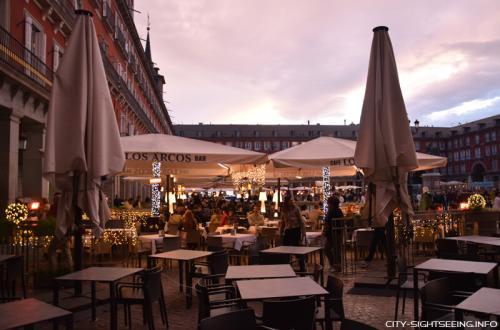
column 215, row 220
column 255, row 218
column 304, row 212
column 315, row 215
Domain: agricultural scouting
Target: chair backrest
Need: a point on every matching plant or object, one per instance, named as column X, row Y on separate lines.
column 402, row 269
column 203, row 300
column 295, row 314
column 14, row 271
column 193, row 236
column 355, row 325
column 171, row 243
column 335, row 288
column 436, row 291
column 447, row 248
column 269, row 233
column 214, row 243
column 151, row 282
column 243, row 319
column 219, row 262
column 273, row 258
column 364, row 238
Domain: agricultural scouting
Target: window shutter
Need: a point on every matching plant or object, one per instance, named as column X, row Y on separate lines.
column 43, row 46
column 55, row 65
column 28, row 24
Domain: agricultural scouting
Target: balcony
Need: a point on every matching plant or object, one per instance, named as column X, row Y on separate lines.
column 118, row 82
column 120, row 40
column 108, row 17
column 16, row 56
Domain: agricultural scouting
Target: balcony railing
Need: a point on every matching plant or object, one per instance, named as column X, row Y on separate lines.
column 115, row 78
column 109, row 17
column 14, row 54
column 120, row 39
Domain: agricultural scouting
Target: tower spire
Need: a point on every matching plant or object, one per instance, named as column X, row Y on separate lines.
column 147, row 49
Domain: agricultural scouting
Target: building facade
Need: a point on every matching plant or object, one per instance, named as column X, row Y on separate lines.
column 472, row 149
column 33, row 35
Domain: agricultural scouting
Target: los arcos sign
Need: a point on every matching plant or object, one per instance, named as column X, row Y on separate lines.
column 165, row 157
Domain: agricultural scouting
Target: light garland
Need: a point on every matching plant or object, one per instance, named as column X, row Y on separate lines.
column 476, row 202
column 255, row 176
column 155, row 191
column 16, row 212
column 326, row 188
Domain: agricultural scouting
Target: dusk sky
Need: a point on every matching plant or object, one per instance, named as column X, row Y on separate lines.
column 289, row 61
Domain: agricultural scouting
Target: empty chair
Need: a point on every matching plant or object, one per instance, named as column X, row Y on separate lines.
column 295, row 314
column 438, row 300
column 215, row 299
column 214, row 243
column 217, row 264
column 355, row 325
column 237, row 320
column 363, row 242
column 333, row 303
column 138, row 250
column 193, row 239
column 273, row 258
column 313, row 270
column 269, row 233
column 145, row 293
column 171, row 243
column 447, row 248
column 13, row 274
column 405, row 284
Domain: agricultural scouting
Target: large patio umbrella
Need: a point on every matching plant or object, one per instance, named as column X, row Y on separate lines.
column 182, row 156
column 336, row 153
column 385, row 150
column 82, row 142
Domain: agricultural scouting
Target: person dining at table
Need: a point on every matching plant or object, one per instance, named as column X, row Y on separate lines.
column 292, row 226
column 215, row 220
column 255, row 217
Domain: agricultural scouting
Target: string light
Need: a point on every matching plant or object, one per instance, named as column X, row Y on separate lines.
column 476, row 202
column 326, row 188
column 16, row 212
column 155, row 191
column 255, row 176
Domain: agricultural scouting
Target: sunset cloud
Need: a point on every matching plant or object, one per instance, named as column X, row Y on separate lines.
column 274, row 61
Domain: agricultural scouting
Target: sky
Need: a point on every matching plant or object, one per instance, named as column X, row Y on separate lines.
column 290, row 61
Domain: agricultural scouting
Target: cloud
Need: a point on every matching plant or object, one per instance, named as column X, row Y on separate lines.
column 274, row 61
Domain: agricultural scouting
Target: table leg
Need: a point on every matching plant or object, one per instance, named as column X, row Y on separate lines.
column 189, row 283
column 55, row 294
column 181, row 275
column 415, row 294
column 93, row 299
column 112, row 302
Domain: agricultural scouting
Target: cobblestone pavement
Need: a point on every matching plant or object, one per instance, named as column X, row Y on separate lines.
column 371, row 306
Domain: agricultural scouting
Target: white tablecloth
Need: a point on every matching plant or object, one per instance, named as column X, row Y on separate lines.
column 355, row 233
column 153, row 240
column 236, row 241
column 313, row 236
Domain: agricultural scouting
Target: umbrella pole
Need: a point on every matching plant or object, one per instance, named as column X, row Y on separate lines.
column 78, row 250
column 279, row 195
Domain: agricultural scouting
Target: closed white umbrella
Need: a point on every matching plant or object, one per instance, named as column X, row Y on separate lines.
column 82, row 142
column 385, row 150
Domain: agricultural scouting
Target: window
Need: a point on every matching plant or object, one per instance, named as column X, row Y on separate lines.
column 237, row 133
column 494, row 164
column 267, row 145
column 256, row 133
column 487, row 151
column 417, row 146
column 494, row 150
column 450, row 170
column 477, row 138
column 123, row 124
column 275, row 133
column 5, row 14
column 467, row 154
column 218, row 133
column 455, row 143
column 199, row 133
column 285, row 144
column 487, row 137
column 34, row 39
column 462, row 155
column 493, row 136
column 462, row 168
column 449, row 144
column 58, row 52
column 455, row 156
column 248, row 145
column 276, row 145
column 478, row 152
column 256, row 145
column 467, row 141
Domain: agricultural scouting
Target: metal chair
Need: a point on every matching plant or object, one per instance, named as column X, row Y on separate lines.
column 438, row 300
column 145, row 293
column 333, row 303
column 14, row 271
column 295, row 314
column 405, row 284
column 237, row 320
